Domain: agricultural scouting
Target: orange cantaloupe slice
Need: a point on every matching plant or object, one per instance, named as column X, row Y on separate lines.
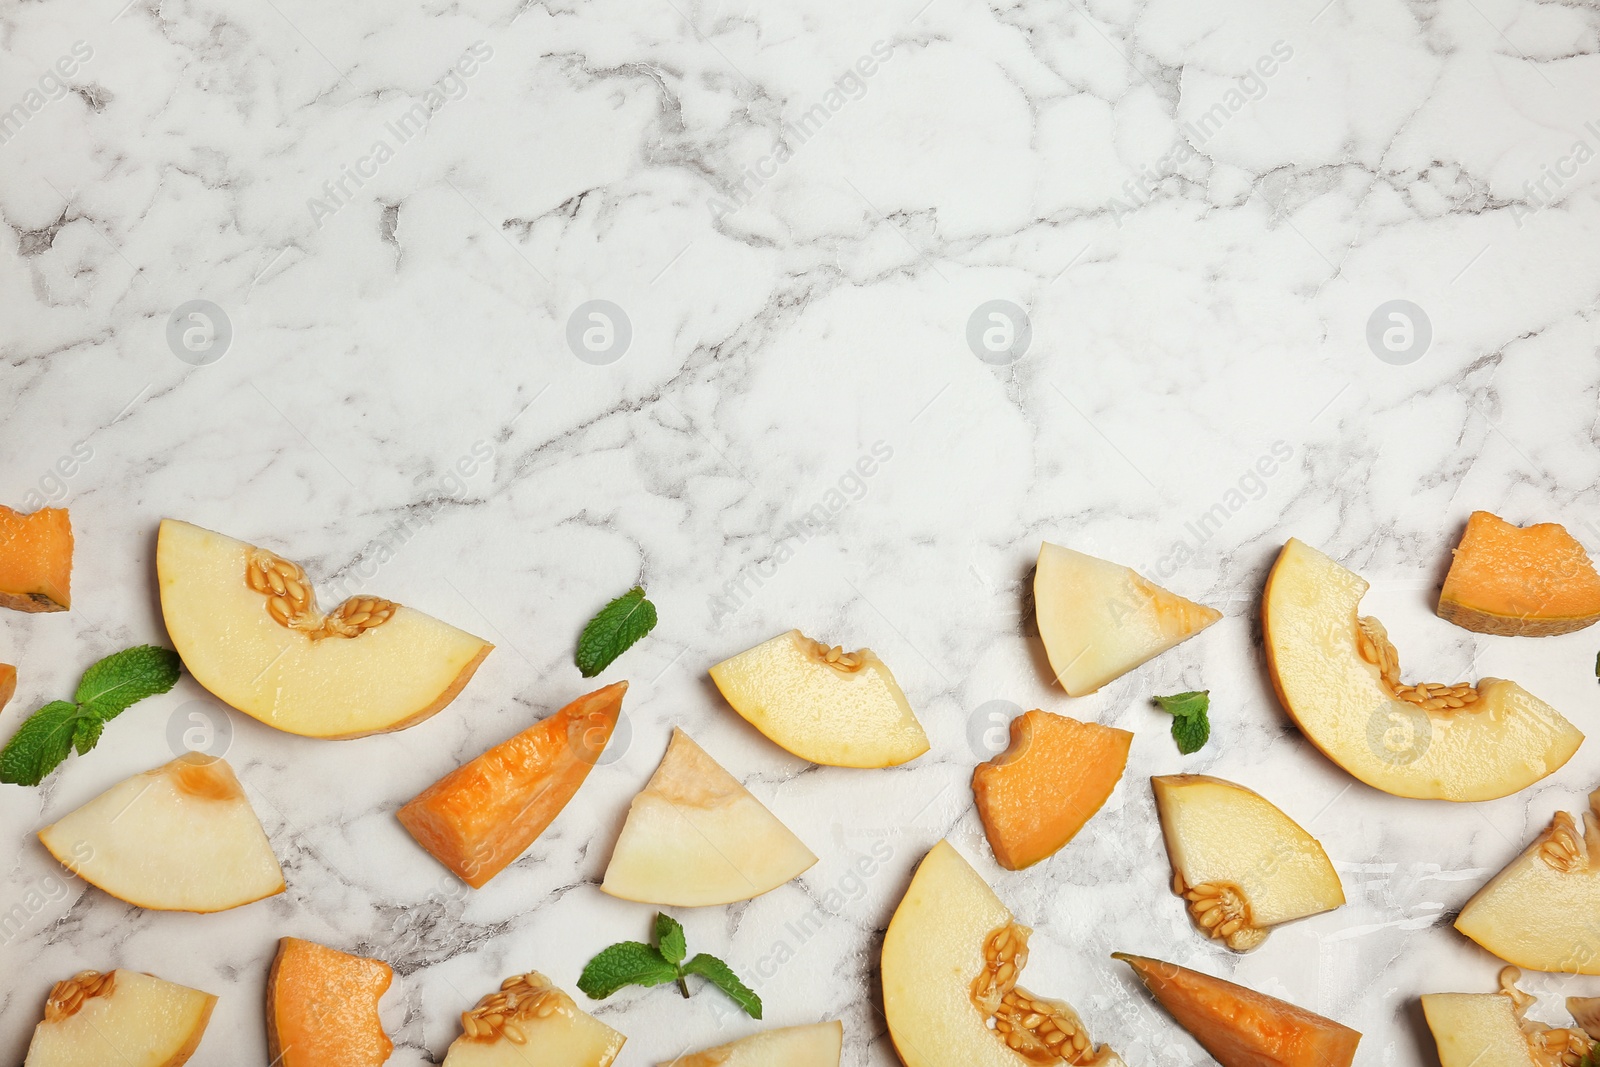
column 484, row 814
column 1240, row 1027
column 1519, row 581
column 1036, row 795
column 35, row 560
column 322, row 1007
column 8, row 683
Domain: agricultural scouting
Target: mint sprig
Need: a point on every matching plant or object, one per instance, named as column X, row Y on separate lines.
column 1191, row 727
column 635, row 963
column 614, row 630
column 107, row 689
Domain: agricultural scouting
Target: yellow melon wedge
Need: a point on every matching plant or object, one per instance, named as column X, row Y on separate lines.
column 817, row 1045
column 119, row 1019
column 528, row 1022
column 1491, row 1029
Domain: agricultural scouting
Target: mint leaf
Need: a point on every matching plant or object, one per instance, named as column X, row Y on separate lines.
column 623, row 964
column 721, row 975
column 86, row 733
column 127, row 677
column 614, row 630
column 1191, row 726
column 670, row 940
column 44, row 740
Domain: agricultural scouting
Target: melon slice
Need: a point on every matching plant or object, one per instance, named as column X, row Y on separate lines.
column 1534, row 581
column 1036, row 795
column 826, row 705
column 484, row 814
column 1240, row 1027
column 181, row 837
column 951, row 961
column 1338, row 676
column 1492, row 1029
column 1538, row 912
column 1243, row 865
column 248, row 628
column 8, row 684
column 35, row 560
column 119, row 1019
column 694, row 836
column 1100, row 620
column 530, row 1022
column 322, row 1007
column 817, row 1045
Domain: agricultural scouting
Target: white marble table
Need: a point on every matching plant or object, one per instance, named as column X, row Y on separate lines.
column 799, row 215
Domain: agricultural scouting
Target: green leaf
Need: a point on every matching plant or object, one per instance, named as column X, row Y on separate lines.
column 623, row 964
column 721, row 975
column 1191, row 726
column 127, row 677
column 40, row 745
column 613, row 631
column 669, row 939
column 86, row 734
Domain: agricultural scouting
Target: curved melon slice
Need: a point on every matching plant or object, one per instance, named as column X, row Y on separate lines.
column 1538, row 912
column 826, row 705
column 1533, row 581
column 1036, row 795
column 248, row 628
column 694, row 836
column 8, row 683
column 119, row 1019
column 181, row 837
column 1339, row 678
column 1491, row 1030
column 35, row 560
column 484, row 814
column 529, row 1021
column 951, row 960
column 1243, row 865
column 817, row 1045
column 322, row 1007
column 1100, row 620
column 1243, row 1028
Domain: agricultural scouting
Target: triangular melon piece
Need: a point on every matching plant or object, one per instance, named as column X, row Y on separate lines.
column 121, row 1019
column 694, row 836
column 181, row 837
column 322, row 1007
column 1100, row 620
column 1493, row 1029
column 528, row 1022
column 817, row 1045
column 1240, row 1027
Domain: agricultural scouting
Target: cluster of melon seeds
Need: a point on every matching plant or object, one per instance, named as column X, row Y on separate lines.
column 836, row 657
column 1551, row 1047
column 523, row 998
column 1039, row 1031
column 291, row 602
column 1561, row 848
column 1222, row 911
column 68, row 995
column 1376, row 648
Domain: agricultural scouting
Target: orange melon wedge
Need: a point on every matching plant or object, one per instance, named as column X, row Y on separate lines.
column 35, row 560
column 1240, row 1027
column 484, row 814
column 8, row 683
column 1528, row 581
column 322, row 1007
column 1036, row 795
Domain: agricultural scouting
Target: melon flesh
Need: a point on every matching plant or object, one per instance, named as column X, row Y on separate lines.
column 818, row 1045
column 1477, row 1030
column 1240, row 1027
column 8, row 683
column 35, row 560
column 322, row 1007
column 387, row 677
column 695, row 837
column 843, row 711
column 484, row 814
column 1100, row 620
column 1534, row 581
column 137, row 1020
column 1036, row 795
column 565, row 1036
column 181, row 837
